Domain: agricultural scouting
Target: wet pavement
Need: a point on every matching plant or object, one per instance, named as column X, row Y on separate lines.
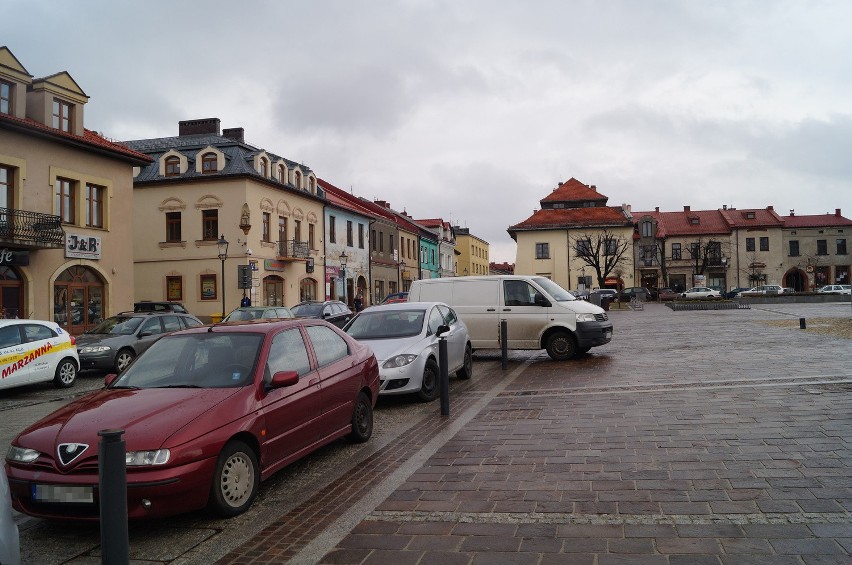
column 694, row 437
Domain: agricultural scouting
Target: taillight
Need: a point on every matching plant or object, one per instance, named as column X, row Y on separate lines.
column 73, row 340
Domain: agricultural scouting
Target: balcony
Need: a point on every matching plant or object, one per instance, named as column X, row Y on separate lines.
column 31, row 229
column 292, row 249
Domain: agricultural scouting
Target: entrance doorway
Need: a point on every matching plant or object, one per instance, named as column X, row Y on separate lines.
column 273, row 290
column 797, row 280
column 11, row 294
column 78, row 299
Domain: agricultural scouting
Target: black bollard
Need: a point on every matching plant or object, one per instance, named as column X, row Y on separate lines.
column 802, row 324
column 112, row 473
column 504, row 344
column 445, row 376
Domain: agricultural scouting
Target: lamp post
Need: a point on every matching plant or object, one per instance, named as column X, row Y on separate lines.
column 402, row 276
column 343, row 259
column 223, row 254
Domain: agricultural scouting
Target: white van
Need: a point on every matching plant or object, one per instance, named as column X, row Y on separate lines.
column 539, row 313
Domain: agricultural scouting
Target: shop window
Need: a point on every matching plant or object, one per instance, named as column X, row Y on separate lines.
column 209, row 288
column 307, row 290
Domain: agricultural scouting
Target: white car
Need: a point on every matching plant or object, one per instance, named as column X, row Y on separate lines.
column 32, row 351
column 764, row 289
column 700, row 292
column 404, row 338
column 836, row 289
column 10, row 545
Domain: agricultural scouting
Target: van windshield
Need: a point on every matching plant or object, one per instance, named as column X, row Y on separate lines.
column 557, row 292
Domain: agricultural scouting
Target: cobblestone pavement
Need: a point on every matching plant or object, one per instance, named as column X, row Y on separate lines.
column 694, row 437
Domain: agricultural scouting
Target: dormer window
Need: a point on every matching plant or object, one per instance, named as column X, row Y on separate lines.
column 209, row 163
column 312, row 185
column 282, row 173
column 749, row 215
column 5, row 97
column 297, row 179
column 647, row 229
column 264, row 167
column 62, row 112
column 694, row 220
column 172, row 166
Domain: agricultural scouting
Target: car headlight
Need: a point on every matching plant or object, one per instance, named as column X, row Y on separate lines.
column 585, row 317
column 21, row 454
column 93, row 349
column 399, row 361
column 141, row 458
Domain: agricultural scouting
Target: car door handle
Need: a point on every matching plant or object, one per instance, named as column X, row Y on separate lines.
column 313, row 381
column 491, row 309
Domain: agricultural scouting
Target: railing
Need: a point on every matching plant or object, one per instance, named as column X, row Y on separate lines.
column 31, row 228
column 293, row 249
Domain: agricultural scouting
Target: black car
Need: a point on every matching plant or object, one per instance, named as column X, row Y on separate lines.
column 640, row 293
column 333, row 311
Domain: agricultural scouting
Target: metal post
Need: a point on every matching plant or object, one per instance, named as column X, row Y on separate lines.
column 443, row 365
column 802, row 324
column 112, row 474
column 504, row 344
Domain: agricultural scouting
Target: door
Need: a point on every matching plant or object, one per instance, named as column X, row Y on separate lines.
column 339, row 378
column 524, row 318
column 12, row 350
column 456, row 342
column 150, row 331
column 77, row 310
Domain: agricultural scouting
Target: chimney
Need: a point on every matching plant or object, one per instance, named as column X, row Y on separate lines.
column 656, row 209
column 202, row 126
column 237, row 134
column 837, row 212
column 383, row 204
column 770, row 208
column 686, row 208
column 724, row 206
column 593, row 187
column 792, row 213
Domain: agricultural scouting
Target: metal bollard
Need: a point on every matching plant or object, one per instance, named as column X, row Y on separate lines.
column 445, row 376
column 112, row 474
column 504, row 344
column 802, row 324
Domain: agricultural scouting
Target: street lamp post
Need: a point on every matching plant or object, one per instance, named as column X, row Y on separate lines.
column 343, row 259
column 223, row 254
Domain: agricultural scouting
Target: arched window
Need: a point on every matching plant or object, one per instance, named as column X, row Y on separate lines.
column 297, row 179
column 282, row 173
column 78, row 299
column 172, row 166
column 209, row 163
column 264, row 167
column 312, row 185
column 307, row 290
column 273, row 290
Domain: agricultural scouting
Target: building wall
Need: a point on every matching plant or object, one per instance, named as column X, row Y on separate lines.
column 473, row 255
column 358, row 255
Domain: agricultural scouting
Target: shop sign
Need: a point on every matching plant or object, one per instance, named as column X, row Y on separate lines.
column 274, row 265
column 17, row 258
column 83, row 246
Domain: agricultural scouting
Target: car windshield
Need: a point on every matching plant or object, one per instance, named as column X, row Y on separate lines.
column 307, row 310
column 557, row 292
column 117, row 325
column 387, row 324
column 200, row 360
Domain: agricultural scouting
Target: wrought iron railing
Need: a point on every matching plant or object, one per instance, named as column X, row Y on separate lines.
column 293, row 249
column 33, row 228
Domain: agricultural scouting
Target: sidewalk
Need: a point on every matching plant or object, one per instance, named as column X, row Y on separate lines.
column 705, row 437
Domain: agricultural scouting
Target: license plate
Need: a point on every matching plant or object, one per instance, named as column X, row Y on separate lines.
column 69, row 494
column 607, row 335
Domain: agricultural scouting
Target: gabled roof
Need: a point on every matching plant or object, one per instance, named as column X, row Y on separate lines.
column 344, row 200
column 817, row 221
column 562, row 218
column 574, row 191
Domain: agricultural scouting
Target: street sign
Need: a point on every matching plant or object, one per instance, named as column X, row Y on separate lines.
column 244, row 276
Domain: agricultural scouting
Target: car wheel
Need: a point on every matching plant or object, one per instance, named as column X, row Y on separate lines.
column 362, row 419
column 429, row 387
column 124, row 358
column 236, row 480
column 466, row 370
column 561, row 346
column 66, row 374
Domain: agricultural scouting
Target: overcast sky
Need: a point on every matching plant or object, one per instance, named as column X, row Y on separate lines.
column 473, row 111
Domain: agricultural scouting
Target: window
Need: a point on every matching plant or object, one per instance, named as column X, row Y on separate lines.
column 381, row 239
column 332, row 229
column 172, row 166
column 297, row 232
column 264, row 167
column 349, row 233
column 542, row 251
column 297, row 179
column 95, row 206
column 328, row 346
column 390, row 242
column 7, row 187
column 714, row 254
column 64, row 200
column 6, row 105
column 173, row 227
column 764, row 244
column 676, row 251
column 749, row 215
column 647, row 229
column 288, row 353
column 373, row 239
column 62, row 115
column 794, row 248
column 518, row 293
column 694, row 250
column 307, row 290
column 311, row 241
column 360, row 236
column 174, row 288
column 282, row 173
column 282, row 228
column 610, row 246
column 209, row 163
column 312, row 185
column 210, row 225
column 822, row 247
column 841, row 247
column 266, row 227
column 584, row 247
column 646, row 254
column 749, row 244
column 208, row 287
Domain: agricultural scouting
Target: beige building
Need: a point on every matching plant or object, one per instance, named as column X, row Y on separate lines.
column 471, row 253
column 66, row 197
column 205, row 185
column 816, row 250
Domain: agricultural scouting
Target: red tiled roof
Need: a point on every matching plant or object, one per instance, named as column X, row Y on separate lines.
column 88, row 138
column 573, row 190
column 344, row 200
column 762, row 218
column 817, row 221
column 573, row 217
column 672, row 224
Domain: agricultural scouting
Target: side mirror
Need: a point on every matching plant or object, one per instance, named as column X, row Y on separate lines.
column 284, row 378
column 109, row 379
column 146, row 334
column 442, row 330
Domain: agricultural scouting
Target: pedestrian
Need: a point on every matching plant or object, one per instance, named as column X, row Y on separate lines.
column 359, row 302
column 246, row 301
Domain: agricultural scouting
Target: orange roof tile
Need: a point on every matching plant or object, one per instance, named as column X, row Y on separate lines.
column 573, row 190
column 817, row 221
column 573, row 217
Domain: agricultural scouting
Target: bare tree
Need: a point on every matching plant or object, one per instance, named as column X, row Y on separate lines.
column 703, row 254
column 603, row 251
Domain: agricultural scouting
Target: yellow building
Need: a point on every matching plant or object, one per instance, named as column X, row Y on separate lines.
column 472, row 253
column 66, row 196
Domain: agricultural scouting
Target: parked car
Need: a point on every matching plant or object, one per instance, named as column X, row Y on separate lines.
column 639, row 292
column 764, row 289
column 734, row 292
column 10, row 542
column 395, row 297
column 836, row 289
column 207, row 413
column 333, row 311
column 667, row 293
column 404, row 337
column 33, row 351
column 149, row 306
column 246, row 313
column 700, row 292
column 114, row 343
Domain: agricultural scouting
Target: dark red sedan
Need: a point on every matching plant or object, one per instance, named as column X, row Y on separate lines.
column 207, row 413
